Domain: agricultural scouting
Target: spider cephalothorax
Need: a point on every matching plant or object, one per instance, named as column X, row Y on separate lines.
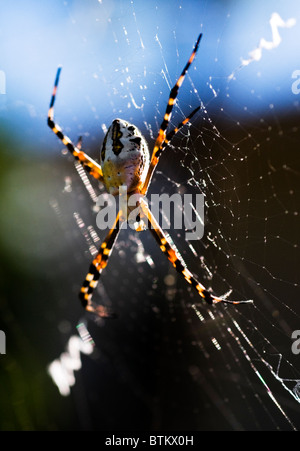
column 125, row 162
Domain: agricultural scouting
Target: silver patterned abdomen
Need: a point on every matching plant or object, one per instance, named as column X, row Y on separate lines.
column 124, row 157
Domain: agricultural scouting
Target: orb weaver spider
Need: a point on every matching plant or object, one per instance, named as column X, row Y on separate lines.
column 125, row 161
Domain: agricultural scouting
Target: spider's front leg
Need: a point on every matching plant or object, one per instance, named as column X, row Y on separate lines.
column 162, row 139
column 88, row 163
column 175, row 258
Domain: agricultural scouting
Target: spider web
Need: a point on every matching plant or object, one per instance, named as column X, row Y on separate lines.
column 170, row 362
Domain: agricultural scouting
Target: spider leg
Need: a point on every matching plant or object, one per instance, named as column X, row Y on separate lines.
column 170, row 135
column 88, row 163
column 158, row 146
column 172, row 253
column 95, row 270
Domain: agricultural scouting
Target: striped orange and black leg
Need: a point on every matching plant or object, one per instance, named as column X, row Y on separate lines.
column 172, row 253
column 95, row 270
column 158, row 146
column 88, row 163
column 173, row 132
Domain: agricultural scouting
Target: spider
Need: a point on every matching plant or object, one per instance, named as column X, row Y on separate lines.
column 125, row 161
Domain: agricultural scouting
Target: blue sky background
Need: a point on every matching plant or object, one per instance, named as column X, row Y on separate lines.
column 113, row 54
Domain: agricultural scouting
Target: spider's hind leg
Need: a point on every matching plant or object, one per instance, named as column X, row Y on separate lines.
column 98, row 264
column 172, row 253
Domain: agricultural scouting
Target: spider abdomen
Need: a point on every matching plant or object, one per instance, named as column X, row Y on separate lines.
column 124, row 157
